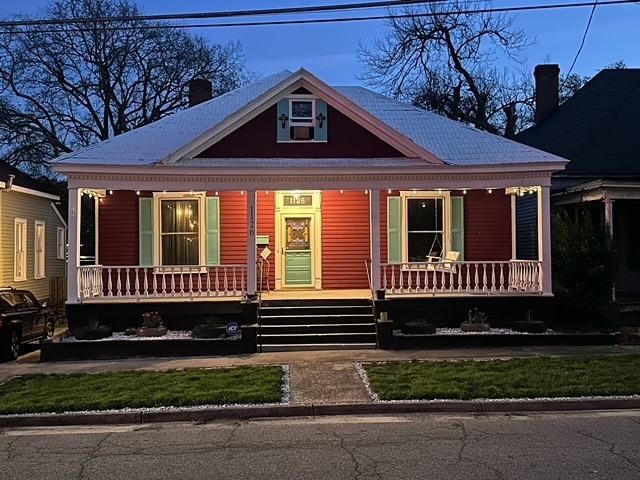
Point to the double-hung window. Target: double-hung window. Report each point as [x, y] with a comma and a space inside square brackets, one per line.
[39, 249]
[61, 243]
[423, 225]
[179, 229]
[20, 250]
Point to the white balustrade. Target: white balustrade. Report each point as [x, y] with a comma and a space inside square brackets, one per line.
[98, 281]
[447, 277]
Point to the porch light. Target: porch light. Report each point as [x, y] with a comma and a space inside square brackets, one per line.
[341, 192]
[464, 192]
[414, 191]
[137, 192]
[366, 192]
[389, 191]
[110, 192]
[489, 190]
[266, 192]
[241, 192]
[216, 194]
[191, 192]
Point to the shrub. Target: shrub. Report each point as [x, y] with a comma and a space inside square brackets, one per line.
[585, 263]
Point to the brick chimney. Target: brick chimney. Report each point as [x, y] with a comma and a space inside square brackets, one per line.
[547, 90]
[200, 90]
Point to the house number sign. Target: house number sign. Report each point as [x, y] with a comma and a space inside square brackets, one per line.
[295, 200]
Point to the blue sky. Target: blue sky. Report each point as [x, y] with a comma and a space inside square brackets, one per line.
[329, 50]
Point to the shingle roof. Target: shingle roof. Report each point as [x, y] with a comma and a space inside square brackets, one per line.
[453, 142]
[598, 128]
[24, 180]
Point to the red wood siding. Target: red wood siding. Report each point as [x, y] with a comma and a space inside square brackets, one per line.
[118, 229]
[257, 139]
[487, 226]
[233, 228]
[345, 239]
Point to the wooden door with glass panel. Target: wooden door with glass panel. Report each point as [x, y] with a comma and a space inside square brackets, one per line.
[298, 258]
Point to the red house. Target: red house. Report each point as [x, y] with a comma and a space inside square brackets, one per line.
[289, 185]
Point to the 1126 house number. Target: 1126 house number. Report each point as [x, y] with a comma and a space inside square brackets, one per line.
[293, 200]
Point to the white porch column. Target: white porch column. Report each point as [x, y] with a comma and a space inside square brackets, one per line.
[514, 229]
[374, 234]
[608, 214]
[544, 237]
[73, 252]
[251, 242]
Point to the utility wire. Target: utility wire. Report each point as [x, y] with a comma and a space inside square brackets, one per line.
[228, 14]
[331, 20]
[584, 37]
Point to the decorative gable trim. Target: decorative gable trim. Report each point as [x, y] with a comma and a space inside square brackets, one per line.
[306, 80]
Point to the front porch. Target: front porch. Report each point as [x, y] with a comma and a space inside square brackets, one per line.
[126, 284]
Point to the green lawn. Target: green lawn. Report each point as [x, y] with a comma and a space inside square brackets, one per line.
[518, 378]
[136, 389]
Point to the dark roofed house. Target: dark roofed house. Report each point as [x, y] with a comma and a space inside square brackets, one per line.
[598, 130]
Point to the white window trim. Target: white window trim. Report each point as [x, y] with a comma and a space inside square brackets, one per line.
[157, 242]
[39, 259]
[446, 222]
[61, 243]
[20, 250]
[303, 98]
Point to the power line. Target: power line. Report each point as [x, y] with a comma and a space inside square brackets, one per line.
[337, 19]
[584, 37]
[228, 14]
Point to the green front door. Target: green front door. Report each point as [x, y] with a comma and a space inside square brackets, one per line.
[297, 252]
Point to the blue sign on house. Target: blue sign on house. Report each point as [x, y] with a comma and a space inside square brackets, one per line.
[233, 329]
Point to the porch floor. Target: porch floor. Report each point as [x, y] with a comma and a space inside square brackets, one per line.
[346, 294]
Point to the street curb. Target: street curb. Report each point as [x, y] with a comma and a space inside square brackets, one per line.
[310, 410]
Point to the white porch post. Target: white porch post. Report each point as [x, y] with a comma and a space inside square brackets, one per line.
[608, 214]
[73, 252]
[251, 242]
[374, 233]
[544, 237]
[514, 229]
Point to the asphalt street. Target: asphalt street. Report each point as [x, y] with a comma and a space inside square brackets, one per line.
[586, 445]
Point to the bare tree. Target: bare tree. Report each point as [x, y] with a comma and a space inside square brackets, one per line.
[444, 58]
[67, 86]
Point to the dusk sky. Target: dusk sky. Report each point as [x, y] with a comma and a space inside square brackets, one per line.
[329, 50]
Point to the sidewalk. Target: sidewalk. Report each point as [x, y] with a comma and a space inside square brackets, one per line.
[321, 382]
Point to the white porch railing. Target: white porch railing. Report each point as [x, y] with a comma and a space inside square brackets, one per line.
[515, 276]
[186, 281]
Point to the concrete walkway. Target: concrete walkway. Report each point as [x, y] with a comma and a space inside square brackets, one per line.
[326, 382]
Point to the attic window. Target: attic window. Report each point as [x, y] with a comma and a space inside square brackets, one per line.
[302, 118]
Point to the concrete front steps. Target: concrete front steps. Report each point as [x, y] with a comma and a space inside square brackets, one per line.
[336, 324]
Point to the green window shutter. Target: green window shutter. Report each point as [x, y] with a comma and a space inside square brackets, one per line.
[394, 229]
[321, 132]
[145, 210]
[213, 231]
[283, 109]
[457, 225]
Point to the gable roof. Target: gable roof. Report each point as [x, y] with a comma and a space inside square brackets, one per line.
[23, 180]
[420, 134]
[598, 128]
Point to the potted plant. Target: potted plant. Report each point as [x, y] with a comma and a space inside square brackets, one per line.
[151, 325]
[529, 324]
[419, 326]
[211, 327]
[93, 330]
[477, 321]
